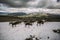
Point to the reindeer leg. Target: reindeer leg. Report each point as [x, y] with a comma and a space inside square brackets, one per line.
[37, 24]
[9, 24]
[25, 25]
[12, 26]
[15, 25]
[28, 26]
[42, 22]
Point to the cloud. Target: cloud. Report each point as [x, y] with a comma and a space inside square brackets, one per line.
[37, 3]
[29, 6]
[3, 6]
[52, 4]
[15, 3]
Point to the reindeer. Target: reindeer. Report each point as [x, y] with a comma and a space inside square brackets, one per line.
[36, 38]
[30, 38]
[32, 21]
[14, 23]
[28, 23]
[48, 37]
[24, 21]
[40, 22]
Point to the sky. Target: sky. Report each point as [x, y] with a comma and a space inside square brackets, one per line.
[18, 5]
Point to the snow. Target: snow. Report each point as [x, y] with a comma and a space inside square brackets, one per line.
[21, 32]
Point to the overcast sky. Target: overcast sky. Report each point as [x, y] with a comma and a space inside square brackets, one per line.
[16, 5]
[31, 3]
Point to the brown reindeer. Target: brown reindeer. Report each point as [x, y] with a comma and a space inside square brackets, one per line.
[36, 38]
[28, 24]
[14, 23]
[48, 37]
[39, 22]
[30, 38]
[32, 21]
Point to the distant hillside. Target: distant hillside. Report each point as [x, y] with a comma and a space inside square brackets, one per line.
[17, 14]
[3, 13]
[35, 15]
[54, 16]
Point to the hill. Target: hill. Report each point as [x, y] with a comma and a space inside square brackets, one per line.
[3, 13]
[17, 14]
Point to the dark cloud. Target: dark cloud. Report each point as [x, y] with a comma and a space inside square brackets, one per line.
[15, 3]
[31, 3]
[23, 3]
